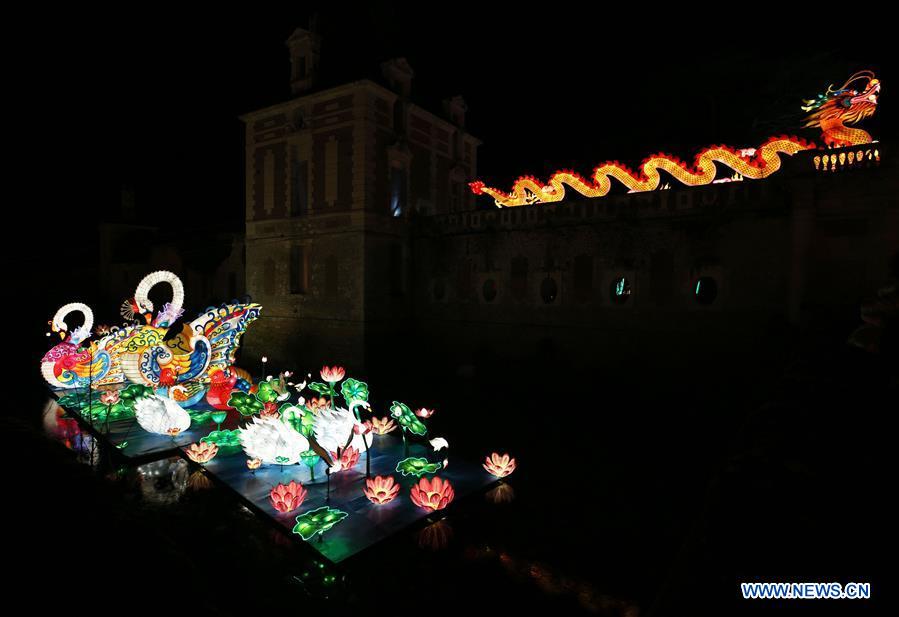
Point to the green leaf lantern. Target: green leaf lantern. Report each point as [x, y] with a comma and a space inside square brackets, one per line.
[267, 392]
[321, 388]
[417, 466]
[224, 439]
[297, 417]
[246, 404]
[407, 419]
[318, 521]
[354, 390]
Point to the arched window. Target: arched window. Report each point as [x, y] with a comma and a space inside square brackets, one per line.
[620, 290]
[706, 290]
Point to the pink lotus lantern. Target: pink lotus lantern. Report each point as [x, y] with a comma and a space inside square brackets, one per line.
[109, 397]
[425, 413]
[202, 452]
[270, 410]
[499, 466]
[381, 490]
[348, 458]
[333, 374]
[287, 497]
[382, 426]
[432, 494]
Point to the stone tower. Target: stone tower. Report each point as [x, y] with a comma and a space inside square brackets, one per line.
[333, 177]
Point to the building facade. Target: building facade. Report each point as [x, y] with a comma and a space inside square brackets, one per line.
[333, 179]
[364, 243]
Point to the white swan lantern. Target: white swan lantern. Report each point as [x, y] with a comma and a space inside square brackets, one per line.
[160, 415]
[273, 441]
[67, 365]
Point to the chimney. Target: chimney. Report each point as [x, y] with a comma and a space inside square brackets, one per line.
[305, 50]
[455, 109]
[399, 76]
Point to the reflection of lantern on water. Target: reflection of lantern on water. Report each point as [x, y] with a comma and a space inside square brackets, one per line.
[164, 481]
[435, 536]
[199, 481]
[502, 493]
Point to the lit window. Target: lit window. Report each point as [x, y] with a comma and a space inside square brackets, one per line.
[620, 290]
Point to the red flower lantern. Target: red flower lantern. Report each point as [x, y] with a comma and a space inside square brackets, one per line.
[381, 490]
[348, 458]
[432, 494]
[287, 497]
[333, 374]
[499, 466]
[270, 410]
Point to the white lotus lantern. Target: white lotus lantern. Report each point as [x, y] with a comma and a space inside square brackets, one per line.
[161, 415]
[273, 441]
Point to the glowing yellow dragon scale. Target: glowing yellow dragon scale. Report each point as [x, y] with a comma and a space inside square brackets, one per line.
[830, 112]
[748, 163]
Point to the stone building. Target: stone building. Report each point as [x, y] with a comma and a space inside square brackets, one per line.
[333, 178]
[365, 246]
[681, 277]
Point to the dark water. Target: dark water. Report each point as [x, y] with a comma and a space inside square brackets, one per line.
[635, 494]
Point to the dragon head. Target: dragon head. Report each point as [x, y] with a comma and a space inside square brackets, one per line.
[851, 103]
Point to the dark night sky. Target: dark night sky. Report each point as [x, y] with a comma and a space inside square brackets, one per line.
[153, 102]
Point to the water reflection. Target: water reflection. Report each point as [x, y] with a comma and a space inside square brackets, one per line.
[435, 536]
[502, 493]
[553, 581]
[59, 426]
[199, 481]
[163, 482]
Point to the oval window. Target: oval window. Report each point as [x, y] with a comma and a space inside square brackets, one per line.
[489, 290]
[620, 290]
[549, 289]
[706, 290]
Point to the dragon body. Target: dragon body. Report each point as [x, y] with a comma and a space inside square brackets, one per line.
[750, 163]
[831, 111]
